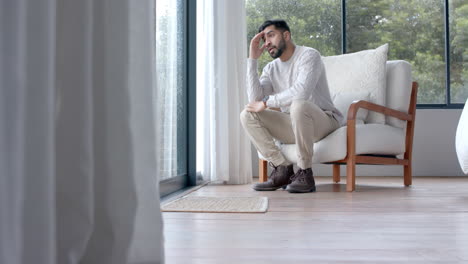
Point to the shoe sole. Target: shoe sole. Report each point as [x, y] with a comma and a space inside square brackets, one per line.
[269, 189]
[300, 191]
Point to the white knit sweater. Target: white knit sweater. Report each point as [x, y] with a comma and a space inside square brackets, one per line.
[301, 77]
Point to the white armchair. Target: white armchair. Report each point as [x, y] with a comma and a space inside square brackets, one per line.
[376, 136]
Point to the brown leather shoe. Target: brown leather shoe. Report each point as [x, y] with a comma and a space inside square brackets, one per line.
[280, 177]
[302, 182]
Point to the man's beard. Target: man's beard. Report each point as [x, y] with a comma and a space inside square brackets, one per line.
[280, 49]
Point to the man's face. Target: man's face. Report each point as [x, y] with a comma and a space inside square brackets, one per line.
[275, 43]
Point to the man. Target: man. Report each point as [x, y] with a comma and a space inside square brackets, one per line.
[295, 81]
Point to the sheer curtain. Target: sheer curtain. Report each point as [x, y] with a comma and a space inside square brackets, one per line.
[77, 159]
[224, 148]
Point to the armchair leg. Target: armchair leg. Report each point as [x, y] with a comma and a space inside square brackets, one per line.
[336, 173]
[407, 175]
[262, 170]
[350, 175]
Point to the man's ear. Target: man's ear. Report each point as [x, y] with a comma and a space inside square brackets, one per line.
[287, 35]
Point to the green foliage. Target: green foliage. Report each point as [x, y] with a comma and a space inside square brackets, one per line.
[414, 30]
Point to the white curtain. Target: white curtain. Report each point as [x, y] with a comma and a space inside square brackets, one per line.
[78, 159]
[221, 65]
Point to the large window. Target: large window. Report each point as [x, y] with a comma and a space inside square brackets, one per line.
[170, 60]
[431, 37]
[174, 72]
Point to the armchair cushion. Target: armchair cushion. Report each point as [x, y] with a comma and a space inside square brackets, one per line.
[398, 89]
[370, 139]
[363, 71]
[343, 100]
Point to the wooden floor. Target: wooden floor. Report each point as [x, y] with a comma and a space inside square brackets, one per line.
[381, 222]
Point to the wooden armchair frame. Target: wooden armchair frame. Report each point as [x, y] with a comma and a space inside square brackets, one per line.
[352, 159]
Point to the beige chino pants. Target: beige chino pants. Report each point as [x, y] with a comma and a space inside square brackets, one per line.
[304, 125]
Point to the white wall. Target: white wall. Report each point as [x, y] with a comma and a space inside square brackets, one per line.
[433, 150]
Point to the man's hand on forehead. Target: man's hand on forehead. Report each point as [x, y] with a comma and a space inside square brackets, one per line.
[256, 47]
[262, 35]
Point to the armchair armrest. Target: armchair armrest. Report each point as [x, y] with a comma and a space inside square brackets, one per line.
[352, 159]
[354, 107]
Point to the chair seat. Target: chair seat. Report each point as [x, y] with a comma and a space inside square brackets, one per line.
[370, 139]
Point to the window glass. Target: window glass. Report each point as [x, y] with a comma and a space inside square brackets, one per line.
[415, 32]
[170, 85]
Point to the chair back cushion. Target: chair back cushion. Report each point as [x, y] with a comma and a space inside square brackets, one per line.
[342, 101]
[398, 89]
[362, 71]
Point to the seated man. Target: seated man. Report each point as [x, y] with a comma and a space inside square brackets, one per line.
[295, 81]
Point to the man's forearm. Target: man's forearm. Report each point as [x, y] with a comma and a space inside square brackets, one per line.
[254, 87]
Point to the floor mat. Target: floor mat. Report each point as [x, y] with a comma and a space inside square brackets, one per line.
[217, 204]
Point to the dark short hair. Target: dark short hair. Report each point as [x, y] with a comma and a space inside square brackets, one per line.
[279, 24]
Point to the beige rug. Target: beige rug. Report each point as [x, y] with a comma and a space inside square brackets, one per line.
[217, 204]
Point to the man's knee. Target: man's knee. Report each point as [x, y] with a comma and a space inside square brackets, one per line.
[246, 116]
[300, 108]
